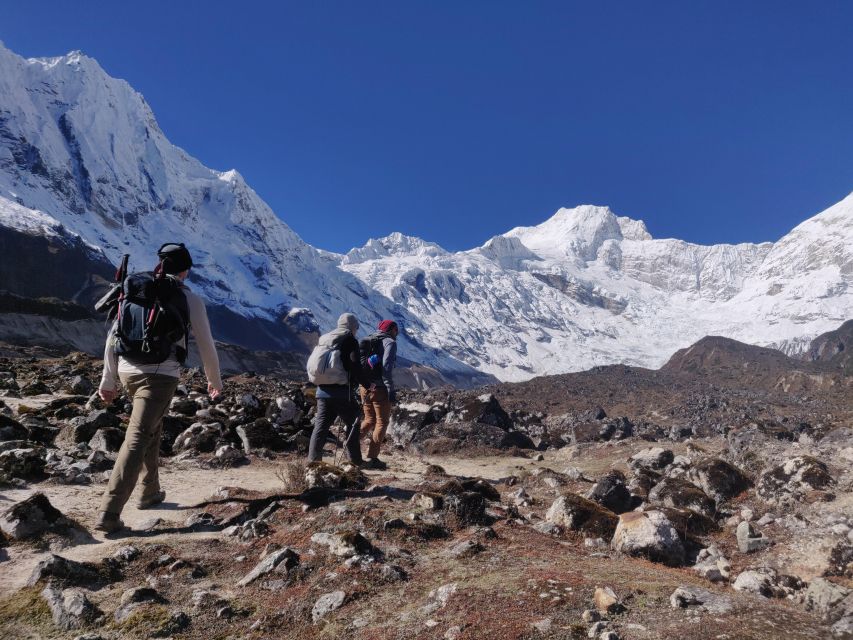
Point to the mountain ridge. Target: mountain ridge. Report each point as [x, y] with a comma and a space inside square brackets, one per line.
[81, 155]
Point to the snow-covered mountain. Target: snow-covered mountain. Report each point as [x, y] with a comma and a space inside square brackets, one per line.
[82, 157]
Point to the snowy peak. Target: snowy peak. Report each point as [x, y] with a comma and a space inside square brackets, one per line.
[573, 233]
[396, 244]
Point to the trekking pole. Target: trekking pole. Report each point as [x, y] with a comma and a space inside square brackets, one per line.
[337, 445]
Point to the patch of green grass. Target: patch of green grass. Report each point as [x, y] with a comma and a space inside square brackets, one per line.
[25, 609]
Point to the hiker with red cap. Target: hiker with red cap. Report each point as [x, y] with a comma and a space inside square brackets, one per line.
[378, 357]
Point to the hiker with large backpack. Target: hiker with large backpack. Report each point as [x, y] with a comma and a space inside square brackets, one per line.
[145, 350]
[335, 367]
[378, 358]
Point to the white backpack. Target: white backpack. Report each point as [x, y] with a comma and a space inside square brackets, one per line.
[325, 365]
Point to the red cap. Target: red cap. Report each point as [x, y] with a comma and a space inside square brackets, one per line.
[386, 325]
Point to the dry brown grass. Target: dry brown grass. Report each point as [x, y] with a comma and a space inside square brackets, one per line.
[292, 476]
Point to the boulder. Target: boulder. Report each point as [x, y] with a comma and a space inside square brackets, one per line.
[184, 406]
[327, 603]
[680, 494]
[407, 418]
[82, 428]
[579, 514]
[21, 461]
[281, 561]
[11, 429]
[719, 479]
[611, 492]
[794, 478]
[199, 438]
[648, 534]
[261, 434]
[447, 437]
[712, 565]
[81, 386]
[108, 440]
[465, 509]
[651, 459]
[70, 609]
[29, 518]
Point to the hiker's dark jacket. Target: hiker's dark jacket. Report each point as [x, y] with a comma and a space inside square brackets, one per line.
[385, 376]
[351, 360]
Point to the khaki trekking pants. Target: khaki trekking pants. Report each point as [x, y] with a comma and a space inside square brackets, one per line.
[140, 450]
[377, 413]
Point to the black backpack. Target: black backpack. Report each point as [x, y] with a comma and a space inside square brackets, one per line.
[152, 317]
[367, 347]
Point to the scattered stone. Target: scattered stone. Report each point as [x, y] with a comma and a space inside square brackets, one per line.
[606, 601]
[326, 476]
[465, 549]
[327, 603]
[281, 561]
[597, 628]
[712, 565]
[25, 462]
[748, 540]
[344, 544]
[825, 598]
[134, 598]
[689, 597]
[125, 555]
[590, 615]
[649, 534]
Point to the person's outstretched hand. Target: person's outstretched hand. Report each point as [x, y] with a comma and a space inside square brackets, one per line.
[107, 395]
[212, 391]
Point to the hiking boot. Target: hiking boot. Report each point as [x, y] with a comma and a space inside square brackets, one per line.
[147, 503]
[376, 463]
[109, 522]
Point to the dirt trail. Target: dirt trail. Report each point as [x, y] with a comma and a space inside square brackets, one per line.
[187, 485]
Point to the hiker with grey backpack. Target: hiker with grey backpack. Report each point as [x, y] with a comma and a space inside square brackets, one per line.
[335, 367]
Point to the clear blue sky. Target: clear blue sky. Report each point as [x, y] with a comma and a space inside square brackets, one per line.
[714, 121]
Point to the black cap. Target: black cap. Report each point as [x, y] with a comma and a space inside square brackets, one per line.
[174, 257]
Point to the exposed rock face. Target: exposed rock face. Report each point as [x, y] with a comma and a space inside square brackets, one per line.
[579, 514]
[649, 534]
[794, 478]
[719, 479]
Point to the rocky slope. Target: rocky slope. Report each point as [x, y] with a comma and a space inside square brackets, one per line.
[618, 503]
[85, 168]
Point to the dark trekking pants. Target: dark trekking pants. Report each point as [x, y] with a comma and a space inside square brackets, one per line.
[327, 410]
